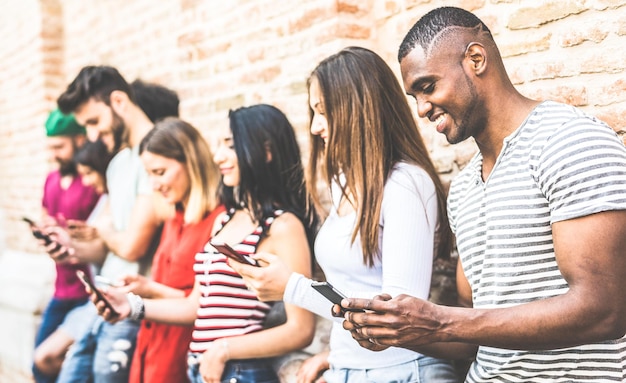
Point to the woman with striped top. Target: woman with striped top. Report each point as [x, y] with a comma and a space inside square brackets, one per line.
[263, 190]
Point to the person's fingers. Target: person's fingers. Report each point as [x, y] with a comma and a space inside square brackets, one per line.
[58, 252]
[246, 271]
[337, 311]
[354, 304]
[268, 258]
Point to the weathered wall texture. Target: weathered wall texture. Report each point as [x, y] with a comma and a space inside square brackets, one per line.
[224, 54]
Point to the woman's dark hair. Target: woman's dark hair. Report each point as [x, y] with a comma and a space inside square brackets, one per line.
[270, 166]
[95, 155]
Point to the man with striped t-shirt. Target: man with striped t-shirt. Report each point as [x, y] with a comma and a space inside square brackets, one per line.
[540, 219]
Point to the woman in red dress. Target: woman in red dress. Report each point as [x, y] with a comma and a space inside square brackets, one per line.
[180, 165]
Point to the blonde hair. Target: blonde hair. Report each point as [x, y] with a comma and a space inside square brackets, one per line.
[176, 139]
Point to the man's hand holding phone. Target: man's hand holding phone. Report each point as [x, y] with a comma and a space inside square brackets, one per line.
[49, 238]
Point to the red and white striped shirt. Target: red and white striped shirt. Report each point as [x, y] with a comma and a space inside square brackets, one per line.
[227, 308]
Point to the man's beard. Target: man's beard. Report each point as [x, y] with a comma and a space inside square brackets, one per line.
[120, 132]
[67, 168]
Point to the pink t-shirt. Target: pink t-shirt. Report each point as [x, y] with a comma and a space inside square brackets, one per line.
[75, 202]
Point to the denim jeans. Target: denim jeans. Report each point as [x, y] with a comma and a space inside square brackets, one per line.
[422, 370]
[53, 316]
[236, 371]
[103, 355]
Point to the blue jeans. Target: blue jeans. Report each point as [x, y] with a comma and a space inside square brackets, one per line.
[103, 355]
[424, 369]
[236, 371]
[51, 319]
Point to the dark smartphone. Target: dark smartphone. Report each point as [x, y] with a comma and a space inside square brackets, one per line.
[87, 282]
[228, 251]
[36, 232]
[331, 293]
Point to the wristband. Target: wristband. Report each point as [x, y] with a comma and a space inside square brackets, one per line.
[137, 308]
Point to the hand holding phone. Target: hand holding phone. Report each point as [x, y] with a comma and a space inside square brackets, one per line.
[84, 278]
[228, 251]
[37, 233]
[331, 293]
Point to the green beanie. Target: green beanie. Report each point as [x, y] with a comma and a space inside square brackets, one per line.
[59, 124]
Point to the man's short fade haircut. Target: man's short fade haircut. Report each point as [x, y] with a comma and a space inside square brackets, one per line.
[93, 82]
[430, 27]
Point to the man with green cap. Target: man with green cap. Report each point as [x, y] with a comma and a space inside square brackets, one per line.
[64, 198]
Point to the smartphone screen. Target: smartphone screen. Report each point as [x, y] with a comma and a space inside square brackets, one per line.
[87, 282]
[228, 251]
[327, 290]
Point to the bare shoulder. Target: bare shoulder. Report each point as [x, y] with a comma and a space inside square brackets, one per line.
[287, 239]
[286, 225]
[218, 222]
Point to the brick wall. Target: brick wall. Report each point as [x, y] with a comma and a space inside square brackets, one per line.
[223, 54]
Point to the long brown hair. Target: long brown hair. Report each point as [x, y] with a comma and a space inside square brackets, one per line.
[371, 128]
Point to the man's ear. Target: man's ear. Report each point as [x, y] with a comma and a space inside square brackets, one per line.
[79, 140]
[476, 58]
[119, 101]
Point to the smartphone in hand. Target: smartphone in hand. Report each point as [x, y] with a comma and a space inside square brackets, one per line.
[86, 280]
[228, 251]
[37, 233]
[331, 293]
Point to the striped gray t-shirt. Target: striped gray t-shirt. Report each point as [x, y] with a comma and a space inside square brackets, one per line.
[559, 165]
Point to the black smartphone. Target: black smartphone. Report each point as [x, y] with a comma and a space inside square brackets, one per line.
[228, 251]
[36, 232]
[84, 278]
[327, 290]
[331, 293]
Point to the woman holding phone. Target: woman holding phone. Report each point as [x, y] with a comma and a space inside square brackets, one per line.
[266, 210]
[179, 163]
[387, 216]
[171, 153]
